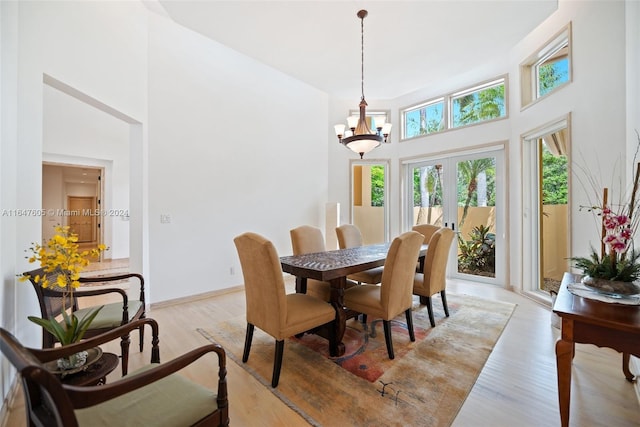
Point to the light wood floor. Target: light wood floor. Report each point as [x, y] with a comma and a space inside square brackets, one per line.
[516, 387]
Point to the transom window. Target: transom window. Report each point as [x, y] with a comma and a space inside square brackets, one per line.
[472, 105]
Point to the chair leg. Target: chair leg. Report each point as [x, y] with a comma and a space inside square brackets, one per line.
[387, 338]
[409, 316]
[125, 341]
[247, 342]
[277, 363]
[432, 320]
[364, 319]
[443, 295]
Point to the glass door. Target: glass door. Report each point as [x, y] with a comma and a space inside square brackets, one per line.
[545, 173]
[462, 192]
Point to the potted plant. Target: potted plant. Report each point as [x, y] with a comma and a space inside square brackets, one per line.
[616, 268]
[62, 261]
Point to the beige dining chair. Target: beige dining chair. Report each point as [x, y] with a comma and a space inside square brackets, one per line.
[393, 296]
[307, 239]
[269, 307]
[427, 231]
[433, 279]
[349, 236]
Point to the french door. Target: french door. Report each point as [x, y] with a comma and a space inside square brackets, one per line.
[464, 192]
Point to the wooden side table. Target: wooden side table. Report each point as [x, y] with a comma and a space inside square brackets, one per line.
[94, 374]
[588, 321]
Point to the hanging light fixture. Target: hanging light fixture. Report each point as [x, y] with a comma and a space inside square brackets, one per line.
[359, 137]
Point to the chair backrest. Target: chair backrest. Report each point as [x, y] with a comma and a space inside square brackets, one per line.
[427, 230]
[263, 281]
[435, 263]
[349, 236]
[47, 403]
[306, 240]
[399, 271]
[50, 298]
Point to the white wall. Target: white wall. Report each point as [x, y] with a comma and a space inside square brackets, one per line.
[234, 146]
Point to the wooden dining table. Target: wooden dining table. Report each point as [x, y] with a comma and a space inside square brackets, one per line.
[333, 267]
[588, 321]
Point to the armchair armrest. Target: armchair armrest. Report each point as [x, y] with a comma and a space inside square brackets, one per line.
[48, 354]
[83, 397]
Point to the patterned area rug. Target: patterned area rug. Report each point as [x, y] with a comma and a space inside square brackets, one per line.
[424, 385]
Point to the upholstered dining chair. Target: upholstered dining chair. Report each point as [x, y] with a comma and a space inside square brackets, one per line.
[427, 231]
[109, 317]
[306, 240]
[269, 307]
[349, 236]
[155, 395]
[393, 296]
[433, 279]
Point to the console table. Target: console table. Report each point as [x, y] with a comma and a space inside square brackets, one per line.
[588, 321]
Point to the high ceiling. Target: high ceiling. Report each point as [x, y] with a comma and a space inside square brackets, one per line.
[408, 44]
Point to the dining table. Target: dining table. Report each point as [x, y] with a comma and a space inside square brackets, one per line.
[333, 267]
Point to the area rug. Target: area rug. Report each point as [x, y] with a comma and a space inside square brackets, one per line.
[425, 385]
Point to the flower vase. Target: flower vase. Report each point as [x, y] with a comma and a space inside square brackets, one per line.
[611, 288]
[73, 361]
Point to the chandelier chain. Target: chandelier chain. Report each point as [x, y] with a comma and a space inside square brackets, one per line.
[362, 56]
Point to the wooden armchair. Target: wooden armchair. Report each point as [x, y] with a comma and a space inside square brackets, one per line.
[154, 395]
[111, 316]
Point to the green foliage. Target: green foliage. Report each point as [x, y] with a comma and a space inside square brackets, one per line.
[478, 255]
[377, 185]
[479, 106]
[552, 75]
[622, 269]
[554, 178]
[71, 329]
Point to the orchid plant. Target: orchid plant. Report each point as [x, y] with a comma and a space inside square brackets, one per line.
[618, 259]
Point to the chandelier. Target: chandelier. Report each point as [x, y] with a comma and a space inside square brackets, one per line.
[360, 138]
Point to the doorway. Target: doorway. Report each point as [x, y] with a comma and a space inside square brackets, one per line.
[546, 227]
[463, 191]
[369, 199]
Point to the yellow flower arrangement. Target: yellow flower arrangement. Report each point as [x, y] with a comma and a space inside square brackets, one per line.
[62, 262]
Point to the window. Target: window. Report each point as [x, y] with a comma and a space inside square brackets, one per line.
[553, 71]
[548, 69]
[486, 101]
[424, 119]
[478, 104]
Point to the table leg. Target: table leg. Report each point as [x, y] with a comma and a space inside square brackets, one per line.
[301, 285]
[625, 368]
[564, 356]
[337, 300]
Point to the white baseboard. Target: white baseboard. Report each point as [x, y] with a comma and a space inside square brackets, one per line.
[634, 365]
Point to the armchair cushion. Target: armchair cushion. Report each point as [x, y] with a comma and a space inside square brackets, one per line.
[154, 404]
[111, 314]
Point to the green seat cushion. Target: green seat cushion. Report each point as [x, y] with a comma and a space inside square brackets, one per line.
[172, 401]
[110, 316]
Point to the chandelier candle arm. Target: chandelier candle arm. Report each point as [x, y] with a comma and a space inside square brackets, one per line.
[360, 138]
